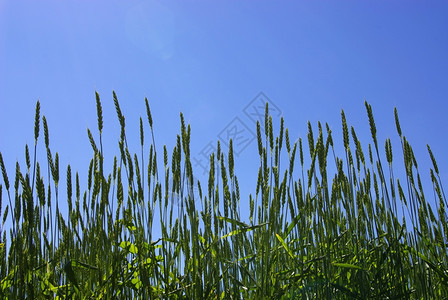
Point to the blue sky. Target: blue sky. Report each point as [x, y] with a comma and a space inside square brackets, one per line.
[211, 60]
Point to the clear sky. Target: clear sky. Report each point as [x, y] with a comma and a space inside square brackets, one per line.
[211, 60]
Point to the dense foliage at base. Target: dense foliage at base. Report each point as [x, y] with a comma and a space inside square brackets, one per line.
[359, 233]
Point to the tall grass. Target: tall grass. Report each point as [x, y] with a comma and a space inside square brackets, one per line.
[310, 234]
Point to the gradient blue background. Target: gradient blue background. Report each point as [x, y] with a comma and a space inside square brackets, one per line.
[210, 59]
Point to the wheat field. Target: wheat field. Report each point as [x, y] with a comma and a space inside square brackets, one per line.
[356, 233]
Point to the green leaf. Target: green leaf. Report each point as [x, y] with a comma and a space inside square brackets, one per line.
[70, 274]
[285, 246]
[129, 246]
[79, 264]
[239, 231]
[345, 265]
[233, 221]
